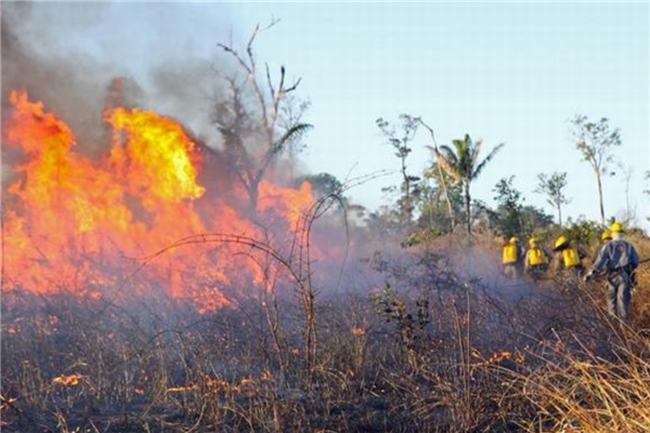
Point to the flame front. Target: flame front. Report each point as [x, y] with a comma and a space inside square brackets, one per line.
[77, 225]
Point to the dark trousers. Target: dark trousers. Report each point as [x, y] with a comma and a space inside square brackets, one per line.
[537, 272]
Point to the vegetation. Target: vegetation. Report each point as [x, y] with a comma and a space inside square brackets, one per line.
[440, 176]
[273, 121]
[441, 200]
[400, 142]
[596, 142]
[422, 333]
[463, 165]
[510, 210]
[430, 351]
[553, 187]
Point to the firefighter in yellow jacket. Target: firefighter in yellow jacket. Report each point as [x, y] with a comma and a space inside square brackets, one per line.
[568, 257]
[536, 260]
[512, 258]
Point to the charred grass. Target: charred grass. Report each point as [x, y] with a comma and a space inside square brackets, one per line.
[428, 351]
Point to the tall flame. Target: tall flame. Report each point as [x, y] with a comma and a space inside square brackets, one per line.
[73, 224]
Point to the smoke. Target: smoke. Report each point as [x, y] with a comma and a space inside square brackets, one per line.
[66, 55]
[187, 90]
[82, 58]
[66, 81]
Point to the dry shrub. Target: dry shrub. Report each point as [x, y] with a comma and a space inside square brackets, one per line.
[583, 392]
[641, 294]
[437, 352]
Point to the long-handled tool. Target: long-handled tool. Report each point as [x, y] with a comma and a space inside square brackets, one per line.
[590, 276]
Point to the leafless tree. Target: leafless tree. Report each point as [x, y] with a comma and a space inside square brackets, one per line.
[441, 176]
[255, 121]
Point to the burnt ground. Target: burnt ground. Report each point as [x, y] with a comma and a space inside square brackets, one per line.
[423, 343]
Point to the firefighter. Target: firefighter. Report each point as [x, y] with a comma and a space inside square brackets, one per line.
[567, 257]
[512, 258]
[617, 260]
[605, 237]
[536, 260]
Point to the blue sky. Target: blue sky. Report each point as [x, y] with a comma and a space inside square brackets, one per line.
[503, 72]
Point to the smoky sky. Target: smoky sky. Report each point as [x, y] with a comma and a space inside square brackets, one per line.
[70, 55]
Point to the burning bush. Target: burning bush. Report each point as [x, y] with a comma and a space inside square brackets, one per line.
[80, 225]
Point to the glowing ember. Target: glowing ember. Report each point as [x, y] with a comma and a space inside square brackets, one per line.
[77, 225]
[67, 380]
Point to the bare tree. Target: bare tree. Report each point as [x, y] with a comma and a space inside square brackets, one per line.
[259, 118]
[553, 187]
[292, 113]
[595, 141]
[258, 111]
[441, 176]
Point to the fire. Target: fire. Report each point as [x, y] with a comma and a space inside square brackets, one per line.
[72, 224]
[67, 380]
[288, 203]
[248, 384]
[152, 138]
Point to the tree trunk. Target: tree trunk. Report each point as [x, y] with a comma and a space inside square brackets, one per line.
[450, 209]
[628, 214]
[407, 210]
[407, 206]
[467, 208]
[253, 196]
[309, 332]
[600, 197]
[559, 213]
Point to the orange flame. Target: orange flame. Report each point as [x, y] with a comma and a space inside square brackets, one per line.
[76, 225]
[67, 380]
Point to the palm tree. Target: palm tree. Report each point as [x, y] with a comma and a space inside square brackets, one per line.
[463, 165]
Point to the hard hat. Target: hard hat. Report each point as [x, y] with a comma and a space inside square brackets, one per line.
[616, 228]
[513, 240]
[561, 241]
[532, 242]
[606, 235]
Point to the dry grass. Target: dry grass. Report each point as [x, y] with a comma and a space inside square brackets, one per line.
[434, 352]
[642, 291]
[582, 392]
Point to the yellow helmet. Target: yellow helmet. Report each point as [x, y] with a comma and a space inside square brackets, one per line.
[616, 228]
[562, 240]
[606, 235]
[513, 240]
[532, 242]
